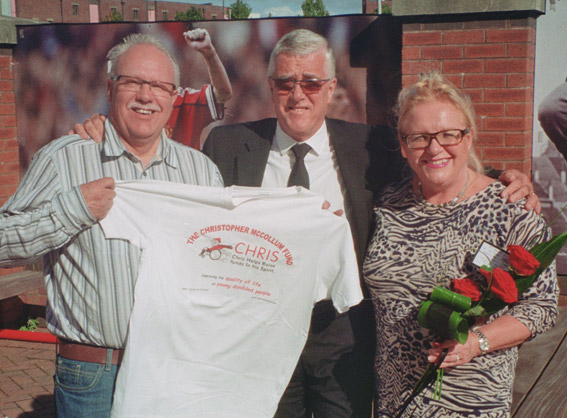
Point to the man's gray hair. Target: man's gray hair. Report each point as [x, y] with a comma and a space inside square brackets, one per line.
[301, 42]
[140, 39]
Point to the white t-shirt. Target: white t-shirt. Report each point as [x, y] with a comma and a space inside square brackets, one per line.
[224, 296]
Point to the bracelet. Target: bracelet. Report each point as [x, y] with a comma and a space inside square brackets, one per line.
[483, 343]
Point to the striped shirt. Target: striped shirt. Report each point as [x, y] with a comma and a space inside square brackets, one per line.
[89, 280]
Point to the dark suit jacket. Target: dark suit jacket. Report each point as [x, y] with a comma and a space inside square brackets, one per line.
[368, 159]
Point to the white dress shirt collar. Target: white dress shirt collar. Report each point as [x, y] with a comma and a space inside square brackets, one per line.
[318, 142]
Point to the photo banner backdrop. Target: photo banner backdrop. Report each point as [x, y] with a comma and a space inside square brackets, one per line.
[61, 70]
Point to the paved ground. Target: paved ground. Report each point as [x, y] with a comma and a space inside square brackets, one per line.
[26, 379]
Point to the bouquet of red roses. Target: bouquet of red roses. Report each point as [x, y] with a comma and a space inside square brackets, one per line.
[451, 313]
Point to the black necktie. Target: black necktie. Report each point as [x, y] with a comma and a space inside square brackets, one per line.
[299, 175]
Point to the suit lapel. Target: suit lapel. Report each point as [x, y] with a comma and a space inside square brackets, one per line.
[352, 159]
[250, 163]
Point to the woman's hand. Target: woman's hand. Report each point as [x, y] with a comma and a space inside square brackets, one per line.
[457, 354]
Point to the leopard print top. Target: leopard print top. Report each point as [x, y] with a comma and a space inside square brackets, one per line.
[417, 246]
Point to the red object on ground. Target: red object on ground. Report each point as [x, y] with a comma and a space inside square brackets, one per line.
[38, 337]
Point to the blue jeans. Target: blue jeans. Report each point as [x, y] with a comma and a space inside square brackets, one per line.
[83, 389]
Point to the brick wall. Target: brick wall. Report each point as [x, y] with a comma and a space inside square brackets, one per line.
[493, 61]
[53, 10]
[9, 155]
[77, 11]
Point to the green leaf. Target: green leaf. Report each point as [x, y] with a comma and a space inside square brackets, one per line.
[545, 253]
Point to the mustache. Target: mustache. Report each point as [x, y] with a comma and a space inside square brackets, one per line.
[150, 106]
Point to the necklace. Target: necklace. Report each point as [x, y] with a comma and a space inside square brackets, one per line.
[451, 202]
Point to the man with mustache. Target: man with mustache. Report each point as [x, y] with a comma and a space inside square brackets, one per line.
[193, 109]
[55, 211]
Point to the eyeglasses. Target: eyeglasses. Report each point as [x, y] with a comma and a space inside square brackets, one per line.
[444, 138]
[158, 88]
[309, 85]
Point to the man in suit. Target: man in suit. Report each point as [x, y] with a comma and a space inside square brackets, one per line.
[334, 375]
[348, 164]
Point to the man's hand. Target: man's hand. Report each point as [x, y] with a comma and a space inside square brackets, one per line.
[518, 186]
[326, 205]
[200, 40]
[98, 195]
[93, 128]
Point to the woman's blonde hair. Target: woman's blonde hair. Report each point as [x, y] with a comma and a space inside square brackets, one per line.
[435, 87]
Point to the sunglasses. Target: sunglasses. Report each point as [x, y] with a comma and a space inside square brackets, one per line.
[309, 85]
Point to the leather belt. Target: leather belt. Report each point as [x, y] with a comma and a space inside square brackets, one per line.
[89, 353]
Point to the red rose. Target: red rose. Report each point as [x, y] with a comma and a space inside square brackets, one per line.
[503, 284]
[523, 262]
[467, 287]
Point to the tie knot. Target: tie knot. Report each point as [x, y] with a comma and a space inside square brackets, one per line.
[300, 150]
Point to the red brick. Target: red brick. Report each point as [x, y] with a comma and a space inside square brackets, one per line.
[520, 80]
[485, 51]
[7, 133]
[8, 144]
[463, 66]
[521, 50]
[443, 26]
[518, 139]
[9, 179]
[520, 109]
[485, 80]
[441, 52]
[9, 168]
[485, 24]
[7, 109]
[8, 97]
[408, 80]
[502, 154]
[411, 53]
[8, 156]
[494, 164]
[9, 121]
[463, 37]
[523, 166]
[5, 61]
[6, 74]
[507, 124]
[44, 10]
[416, 67]
[421, 38]
[456, 79]
[508, 95]
[489, 109]
[13, 167]
[509, 65]
[476, 95]
[521, 35]
[7, 190]
[12, 144]
[490, 139]
[7, 85]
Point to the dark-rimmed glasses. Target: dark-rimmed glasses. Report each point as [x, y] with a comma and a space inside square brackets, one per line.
[444, 138]
[308, 85]
[158, 88]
